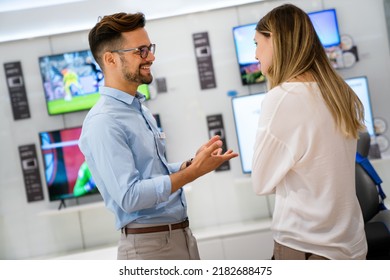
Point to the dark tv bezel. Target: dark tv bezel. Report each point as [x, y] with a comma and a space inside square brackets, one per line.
[240, 144]
[40, 58]
[67, 196]
[237, 54]
[334, 13]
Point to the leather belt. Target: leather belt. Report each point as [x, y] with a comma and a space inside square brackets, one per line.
[181, 225]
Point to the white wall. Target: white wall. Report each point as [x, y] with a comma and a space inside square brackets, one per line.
[28, 230]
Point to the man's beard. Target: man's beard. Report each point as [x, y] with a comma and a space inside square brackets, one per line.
[136, 77]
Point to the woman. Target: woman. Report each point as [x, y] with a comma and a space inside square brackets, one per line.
[306, 143]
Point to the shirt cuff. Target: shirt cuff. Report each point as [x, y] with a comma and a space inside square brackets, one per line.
[166, 189]
[175, 167]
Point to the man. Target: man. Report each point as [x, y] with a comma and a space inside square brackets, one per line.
[125, 150]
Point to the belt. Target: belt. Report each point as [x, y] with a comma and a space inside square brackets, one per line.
[181, 225]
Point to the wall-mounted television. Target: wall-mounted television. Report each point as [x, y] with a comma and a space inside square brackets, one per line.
[246, 112]
[144, 89]
[326, 26]
[66, 172]
[360, 87]
[70, 81]
[249, 67]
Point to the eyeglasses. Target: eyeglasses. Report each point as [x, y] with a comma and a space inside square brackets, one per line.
[143, 50]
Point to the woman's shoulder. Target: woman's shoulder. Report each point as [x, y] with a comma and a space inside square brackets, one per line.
[296, 88]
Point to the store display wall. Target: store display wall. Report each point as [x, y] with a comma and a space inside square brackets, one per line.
[37, 229]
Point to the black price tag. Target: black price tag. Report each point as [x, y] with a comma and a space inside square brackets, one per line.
[216, 127]
[31, 175]
[17, 90]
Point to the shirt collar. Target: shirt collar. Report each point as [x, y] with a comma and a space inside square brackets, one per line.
[121, 95]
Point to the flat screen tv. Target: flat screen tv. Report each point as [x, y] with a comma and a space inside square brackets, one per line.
[326, 26]
[70, 81]
[249, 67]
[144, 89]
[360, 87]
[66, 172]
[246, 113]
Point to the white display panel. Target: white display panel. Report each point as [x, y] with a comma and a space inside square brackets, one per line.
[326, 26]
[360, 87]
[245, 45]
[246, 110]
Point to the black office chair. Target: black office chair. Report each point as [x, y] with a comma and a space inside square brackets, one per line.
[377, 221]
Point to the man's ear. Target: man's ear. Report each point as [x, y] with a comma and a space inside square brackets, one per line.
[109, 59]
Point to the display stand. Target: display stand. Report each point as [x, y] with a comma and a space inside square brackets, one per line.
[72, 209]
[62, 204]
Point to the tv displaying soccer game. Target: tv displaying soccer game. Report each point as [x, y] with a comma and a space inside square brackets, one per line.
[144, 89]
[249, 66]
[70, 81]
[66, 173]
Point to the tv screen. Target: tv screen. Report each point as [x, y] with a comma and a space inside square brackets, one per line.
[246, 112]
[360, 87]
[66, 172]
[70, 81]
[144, 89]
[243, 36]
[326, 26]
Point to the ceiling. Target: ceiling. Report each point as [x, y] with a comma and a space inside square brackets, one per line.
[14, 5]
[23, 19]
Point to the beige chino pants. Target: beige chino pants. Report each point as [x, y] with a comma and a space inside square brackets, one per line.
[177, 244]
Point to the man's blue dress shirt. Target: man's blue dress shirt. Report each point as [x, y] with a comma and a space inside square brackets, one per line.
[125, 152]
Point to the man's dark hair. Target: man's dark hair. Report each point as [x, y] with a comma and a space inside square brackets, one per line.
[106, 34]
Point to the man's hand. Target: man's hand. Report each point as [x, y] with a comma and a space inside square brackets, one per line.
[208, 158]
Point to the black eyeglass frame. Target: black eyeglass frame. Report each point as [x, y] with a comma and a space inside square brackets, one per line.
[143, 50]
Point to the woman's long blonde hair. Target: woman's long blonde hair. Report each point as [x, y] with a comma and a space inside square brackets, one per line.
[297, 50]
